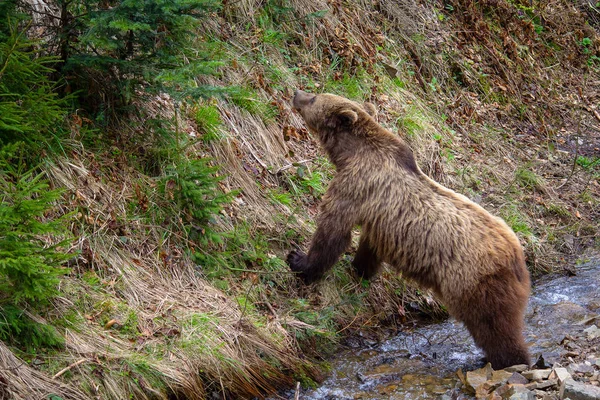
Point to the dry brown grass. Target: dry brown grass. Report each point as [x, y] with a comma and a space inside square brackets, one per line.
[224, 345]
[19, 381]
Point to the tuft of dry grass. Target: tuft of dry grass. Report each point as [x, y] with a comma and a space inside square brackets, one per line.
[20, 381]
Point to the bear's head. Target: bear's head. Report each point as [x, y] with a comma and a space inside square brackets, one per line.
[346, 128]
[328, 112]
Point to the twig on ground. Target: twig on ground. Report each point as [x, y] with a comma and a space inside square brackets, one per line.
[294, 164]
[297, 394]
[62, 371]
[575, 156]
[269, 306]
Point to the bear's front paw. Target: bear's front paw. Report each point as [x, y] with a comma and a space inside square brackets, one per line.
[297, 261]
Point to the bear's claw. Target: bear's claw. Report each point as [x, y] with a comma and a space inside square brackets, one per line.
[296, 260]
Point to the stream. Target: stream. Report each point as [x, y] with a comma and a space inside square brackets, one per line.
[422, 363]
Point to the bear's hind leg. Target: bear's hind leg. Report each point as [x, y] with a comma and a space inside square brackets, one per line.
[366, 262]
[494, 317]
[501, 340]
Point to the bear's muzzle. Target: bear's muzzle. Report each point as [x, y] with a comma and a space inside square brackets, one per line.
[302, 99]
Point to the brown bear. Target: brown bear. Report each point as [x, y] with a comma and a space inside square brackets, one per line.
[442, 240]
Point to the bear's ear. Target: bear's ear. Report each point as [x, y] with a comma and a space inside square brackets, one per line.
[344, 117]
[370, 109]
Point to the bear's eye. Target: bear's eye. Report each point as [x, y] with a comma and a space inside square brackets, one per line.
[312, 101]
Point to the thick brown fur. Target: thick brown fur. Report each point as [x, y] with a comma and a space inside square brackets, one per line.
[442, 240]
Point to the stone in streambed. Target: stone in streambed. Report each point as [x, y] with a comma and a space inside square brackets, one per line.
[574, 390]
[498, 378]
[518, 392]
[592, 332]
[542, 385]
[562, 374]
[477, 378]
[537, 374]
[517, 378]
[517, 368]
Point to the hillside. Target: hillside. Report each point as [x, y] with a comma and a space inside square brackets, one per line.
[176, 284]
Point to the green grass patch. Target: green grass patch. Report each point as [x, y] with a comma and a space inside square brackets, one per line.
[587, 163]
[353, 86]
[557, 210]
[249, 100]
[528, 179]
[208, 120]
[279, 196]
[516, 220]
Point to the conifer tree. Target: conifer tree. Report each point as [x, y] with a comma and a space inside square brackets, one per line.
[113, 50]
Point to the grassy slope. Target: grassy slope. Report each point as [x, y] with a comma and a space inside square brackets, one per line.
[497, 100]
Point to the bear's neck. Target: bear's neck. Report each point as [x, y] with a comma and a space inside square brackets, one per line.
[367, 139]
[341, 147]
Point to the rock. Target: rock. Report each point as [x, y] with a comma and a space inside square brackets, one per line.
[498, 378]
[361, 377]
[483, 391]
[549, 396]
[578, 391]
[517, 368]
[537, 374]
[561, 374]
[542, 385]
[461, 376]
[587, 320]
[592, 332]
[388, 389]
[522, 396]
[574, 347]
[502, 390]
[581, 368]
[517, 378]
[539, 394]
[477, 378]
[518, 392]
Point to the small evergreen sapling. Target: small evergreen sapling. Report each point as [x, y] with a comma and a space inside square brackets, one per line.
[32, 246]
[30, 109]
[192, 185]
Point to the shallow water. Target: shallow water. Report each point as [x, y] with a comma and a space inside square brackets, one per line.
[422, 363]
